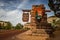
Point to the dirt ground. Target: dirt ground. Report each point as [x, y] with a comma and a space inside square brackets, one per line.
[26, 36]
[9, 34]
[23, 36]
[56, 35]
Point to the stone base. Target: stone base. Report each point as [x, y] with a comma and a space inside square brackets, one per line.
[25, 36]
[40, 32]
[42, 35]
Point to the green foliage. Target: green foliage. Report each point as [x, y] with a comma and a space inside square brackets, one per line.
[19, 26]
[51, 4]
[56, 24]
[26, 28]
[37, 16]
[13, 27]
[53, 24]
[1, 27]
[8, 26]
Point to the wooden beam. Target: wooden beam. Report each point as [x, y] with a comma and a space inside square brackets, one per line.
[47, 10]
[26, 10]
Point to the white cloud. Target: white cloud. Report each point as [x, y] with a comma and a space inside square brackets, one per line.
[2, 12]
[12, 12]
[1, 4]
[23, 4]
[14, 16]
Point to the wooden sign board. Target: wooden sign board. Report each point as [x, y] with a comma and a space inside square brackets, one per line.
[25, 17]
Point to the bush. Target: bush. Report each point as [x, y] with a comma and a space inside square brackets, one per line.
[7, 27]
[19, 26]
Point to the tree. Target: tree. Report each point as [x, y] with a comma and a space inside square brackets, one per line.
[54, 5]
[19, 26]
[51, 4]
[8, 26]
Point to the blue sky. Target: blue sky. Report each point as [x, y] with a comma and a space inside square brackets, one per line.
[11, 10]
